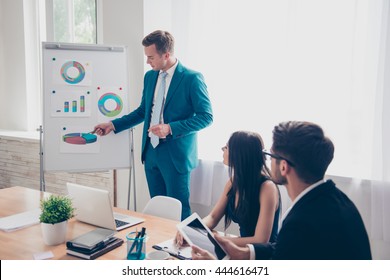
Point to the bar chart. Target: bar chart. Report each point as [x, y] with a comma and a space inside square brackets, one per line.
[70, 104]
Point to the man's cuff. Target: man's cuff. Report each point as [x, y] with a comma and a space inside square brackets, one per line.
[252, 254]
[112, 126]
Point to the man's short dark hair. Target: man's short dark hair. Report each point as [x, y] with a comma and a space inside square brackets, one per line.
[163, 40]
[306, 146]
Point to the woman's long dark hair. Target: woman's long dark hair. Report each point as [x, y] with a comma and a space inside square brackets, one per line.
[247, 169]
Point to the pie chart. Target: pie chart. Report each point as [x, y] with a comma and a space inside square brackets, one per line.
[105, 100]
[72, 72]
[79, 138]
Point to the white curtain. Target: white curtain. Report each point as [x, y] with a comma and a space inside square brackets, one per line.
[372, 199]
[381, 154]
[270, 61]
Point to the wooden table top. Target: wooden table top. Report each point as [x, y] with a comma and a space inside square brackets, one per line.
[24, 243]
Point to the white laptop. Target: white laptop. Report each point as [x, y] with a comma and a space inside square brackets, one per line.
[93, 206]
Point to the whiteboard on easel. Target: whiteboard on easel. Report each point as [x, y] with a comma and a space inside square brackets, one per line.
[84, 85]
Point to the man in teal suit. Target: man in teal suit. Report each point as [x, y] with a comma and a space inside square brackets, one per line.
[186, 109]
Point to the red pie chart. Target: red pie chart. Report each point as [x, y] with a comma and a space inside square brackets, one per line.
[79, 138]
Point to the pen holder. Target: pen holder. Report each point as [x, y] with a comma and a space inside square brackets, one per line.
[136, 246]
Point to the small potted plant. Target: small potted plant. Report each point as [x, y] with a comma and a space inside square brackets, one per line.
[56, 211]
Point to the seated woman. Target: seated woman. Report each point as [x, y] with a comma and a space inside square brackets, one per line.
[250, 198]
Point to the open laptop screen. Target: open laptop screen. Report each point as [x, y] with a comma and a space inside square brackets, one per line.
[93, 206]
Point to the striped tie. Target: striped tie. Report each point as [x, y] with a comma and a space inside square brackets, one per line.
[157, 109]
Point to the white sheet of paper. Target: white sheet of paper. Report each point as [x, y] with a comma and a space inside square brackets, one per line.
[43, 255]
[170, 247]
[20, 220]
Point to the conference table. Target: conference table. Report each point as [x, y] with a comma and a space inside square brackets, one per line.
[23, 243]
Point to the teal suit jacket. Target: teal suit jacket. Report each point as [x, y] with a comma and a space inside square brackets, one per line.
[187, 110]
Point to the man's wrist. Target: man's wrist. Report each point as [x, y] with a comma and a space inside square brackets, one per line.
[112, 126]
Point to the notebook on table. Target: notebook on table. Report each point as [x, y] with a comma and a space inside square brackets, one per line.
[95, 253]
[93, 206]
[98, 237]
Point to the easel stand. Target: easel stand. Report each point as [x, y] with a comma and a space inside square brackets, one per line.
[42, 185]
[132, 173]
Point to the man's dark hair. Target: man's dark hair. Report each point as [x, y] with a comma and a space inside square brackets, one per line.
[306, 146]
[163, 40]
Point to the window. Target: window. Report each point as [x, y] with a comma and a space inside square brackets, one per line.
[271, 61]
[71, 21]
[74, 21]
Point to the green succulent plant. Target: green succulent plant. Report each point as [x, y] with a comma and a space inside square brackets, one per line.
[56, 209]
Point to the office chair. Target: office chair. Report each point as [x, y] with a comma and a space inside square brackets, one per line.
[164, 207]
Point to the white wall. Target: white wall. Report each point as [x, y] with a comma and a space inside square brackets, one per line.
[2, 24]
[12, 73]
[123, 24]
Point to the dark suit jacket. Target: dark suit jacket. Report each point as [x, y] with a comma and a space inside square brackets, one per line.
[187, 110]
[323, 225]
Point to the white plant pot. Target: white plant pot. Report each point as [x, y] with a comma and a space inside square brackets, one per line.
[54, 234]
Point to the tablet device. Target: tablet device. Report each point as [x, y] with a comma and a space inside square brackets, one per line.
[195, 232]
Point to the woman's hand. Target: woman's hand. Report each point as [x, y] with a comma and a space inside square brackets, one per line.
[179, 240]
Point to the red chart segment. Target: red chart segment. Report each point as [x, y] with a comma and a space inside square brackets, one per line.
[79, 138]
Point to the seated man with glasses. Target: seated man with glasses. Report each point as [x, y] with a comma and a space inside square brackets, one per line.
[322, 222]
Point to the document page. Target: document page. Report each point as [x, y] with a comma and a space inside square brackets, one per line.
[20, 220]
[170, 247]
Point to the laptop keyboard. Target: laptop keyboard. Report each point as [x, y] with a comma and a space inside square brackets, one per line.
[120, 223]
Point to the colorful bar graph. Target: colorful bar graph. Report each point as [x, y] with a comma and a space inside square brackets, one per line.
[74, 106]
[66, 106]
[77, 105]
[82, 103]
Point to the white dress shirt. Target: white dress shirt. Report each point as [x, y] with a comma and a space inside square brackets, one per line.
[168, 80]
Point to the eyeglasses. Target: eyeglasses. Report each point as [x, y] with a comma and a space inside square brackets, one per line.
[266, 153]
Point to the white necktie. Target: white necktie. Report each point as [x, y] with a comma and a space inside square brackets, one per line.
[157, 109]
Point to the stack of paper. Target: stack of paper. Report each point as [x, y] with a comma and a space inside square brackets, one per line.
[21, 220]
